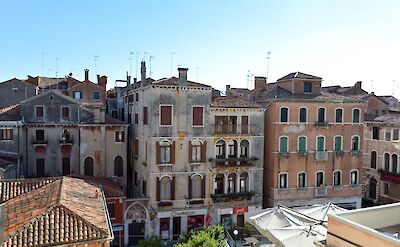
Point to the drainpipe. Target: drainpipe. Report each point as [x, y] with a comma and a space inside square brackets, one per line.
[79, 139]
[26, 151]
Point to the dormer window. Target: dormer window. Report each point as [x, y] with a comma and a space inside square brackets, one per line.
[307, 87]
[77, 95]
[39, 111]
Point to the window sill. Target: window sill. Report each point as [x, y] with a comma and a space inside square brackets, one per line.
[196, 163]
[196, 201]
[302, 189]
[337, 187]
[164, 203]
[165, 164]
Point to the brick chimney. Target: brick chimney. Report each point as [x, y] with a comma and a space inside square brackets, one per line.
[86, 75]
[142, 73]
[358, 85]
[102, 81]
[260, 82]
[182, 80]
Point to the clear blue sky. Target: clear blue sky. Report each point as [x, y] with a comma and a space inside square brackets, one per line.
[340, 41]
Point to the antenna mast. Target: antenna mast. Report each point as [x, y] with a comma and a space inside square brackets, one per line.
[172, 54]
[268, 57]
[95, 63]
[197, 73]
[130, 63]
[43, 53]
[151, 59]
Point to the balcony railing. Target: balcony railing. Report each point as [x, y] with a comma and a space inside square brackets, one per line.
[338, 152]
[321, 155]
[356, 152]
[39, 142]
[66, 141]
[233, 161]
[321, 124]
[390, 176]
[233, 129]
[302, 153]
[239, 196]
[321, 191]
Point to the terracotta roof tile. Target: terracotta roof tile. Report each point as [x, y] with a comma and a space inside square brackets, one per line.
[111, 188]
[299, 75]
[11, 113]
[173, 81]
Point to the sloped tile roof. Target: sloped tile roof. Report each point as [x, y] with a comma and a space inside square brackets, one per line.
[234, 101]
[111, 189]
[108, 120]
[11, 113]
[52, 211]
[299, 75]
[173, 81]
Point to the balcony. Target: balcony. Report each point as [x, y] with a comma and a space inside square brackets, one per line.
[43, 142]
[64, 141]
[233, 161]
[338, 153]
[321, 155]
[302, 153]
[321, 191]
[240, 196]
[297, 193]
[356, 152]
[226, 129]
[390, 176]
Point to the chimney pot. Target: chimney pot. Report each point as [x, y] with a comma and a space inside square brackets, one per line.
[228, 90]
[98, 79]
[182, 76]
[97, 194]
[86, 74]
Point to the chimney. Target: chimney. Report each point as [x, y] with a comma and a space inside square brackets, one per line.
[98, 79]
[260, 82]
[102, 81]
[86, 74]
[228, 90]
[358, 85]
[97, 194]
[182, 76]
[143, 73]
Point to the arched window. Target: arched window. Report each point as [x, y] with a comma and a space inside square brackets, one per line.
[220, 184]
[354, 177]
[303, 115]
[220, 149]
[356, 115]
[339, 115]
[283, 144]
[302, 144]
[386, 162]
[197, 182]
[244, 149]
[355, 143]
[165, 188]
[319, 179]
[244, 182]
[373, 159]
[337, 178]
[196, 151]
[283, 180]
[302, 180]
[321, 115]
[231, 183]
[284, 116]
[394, 163]
[165, 152]
[118, 166]
[320, 143]
[232, 149]
[372, 188]
[338, 143]
[88, 163]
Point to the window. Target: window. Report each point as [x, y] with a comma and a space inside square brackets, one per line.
[166, 115]
[283, 181]
[394, 163]
[96, 95]
[197, 184]
[137, 97]
[375, 133]
[337, 178]
[356, 115]
[245, 125]
[111, 210]
[395, 134]
[165, 152]
[385, 188]
[232, 183]
[196, 151]
[197, 116]
[302, 144]
[319, 180]
[355, 143]
[244, 149]
[66, 166]
[144, 188]
[373, 159]
[219, 183]
[77, 95]
[284, 118]
[232, 149]
[119, 136]
[6, 134]
[388, 135]
[39, 111]
[354, 177]
[136, 118]
[164, 228]
[321, 115]
[88, 163]
[339, 115]
[283, 144]
[145, 116]
[165, 188]
[386, 162]
[307, 87]
[338, 143]
[118, 166]
[244, 182]
[301, 180]
[39, 135]
[320, 143]
[303, 115]
[40, 169]
[136, 147]
[64, 112]
[220, 149]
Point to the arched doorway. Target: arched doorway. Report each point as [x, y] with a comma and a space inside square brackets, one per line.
[136, 217]
[372, 188]
[88, 166]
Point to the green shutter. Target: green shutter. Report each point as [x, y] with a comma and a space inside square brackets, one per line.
[302, 144]
[320, 143]
[283, 145]
[338, 143]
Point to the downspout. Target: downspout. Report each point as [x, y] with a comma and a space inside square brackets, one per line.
[26, 151]
[79, 139]
[292, 86]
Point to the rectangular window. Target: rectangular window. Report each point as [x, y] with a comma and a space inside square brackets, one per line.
[395, 134]
[66, 166]
[96, 95]
[302, 180]
[307, 87]
[40, 171]
[136, 118]
[137, 97]
[77, 95]
[388, 135]
[321, 115]
[302, 144]
[303, 115]
[39, 111]
[339, 116]
[283, 147]
[197, 112]
[165, 152]
[39, 135]
[176, 228]
[164, 228]
[375, 133]
[6, 134]
[136, 147]
[145, 117]
[284, 115]
[111, 210]
[166, 115]
[245, 125]
[386, 188]
[196, 153]
[144, 188]
[64, 112]
[283, 181]
[119, 136]
[338, 143]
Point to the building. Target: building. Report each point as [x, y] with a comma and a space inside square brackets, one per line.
[374, 226]
[58, 211]
[313, 142]
[13, 91]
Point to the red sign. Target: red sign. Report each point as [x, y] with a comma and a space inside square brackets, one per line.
[240, 210]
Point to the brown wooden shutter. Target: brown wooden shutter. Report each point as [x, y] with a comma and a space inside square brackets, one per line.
[173, 188]
[197, 118]
[203, 187]
[158, 188]
[190, 187]
[204, 152]
[157, 152]
[190, 152]
[172, 152]
[166, 115]
[145, 115]
[245, 125]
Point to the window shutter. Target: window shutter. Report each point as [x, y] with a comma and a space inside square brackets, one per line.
[173, 188]
[158, 152]
[203, 187]
[145, 115]
[190, 187]
[190, 152]
[203, 152]
[172, 154]
[158, 188]
[245, 125]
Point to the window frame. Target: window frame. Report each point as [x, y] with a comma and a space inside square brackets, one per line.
[316, 179]
[357, 178]
[287, 115]
[202, 116]
[7, 133]
[325, 120]
[160, 115]
[340, 178]
[298, 144]
[62, 112]
[306, 120]
[376, 159]
[305, 179]
[36, 111]
[342, 118]
[359, 116]
[164, 196]
[359, 143]
[341, 143]
[279, 180]
[304, 87]
[119, 140]
[287, 144]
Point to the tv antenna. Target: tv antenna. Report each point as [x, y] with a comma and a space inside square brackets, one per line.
[95, 63]
[249, 77]
[130, 63]
[172, 54]
[136, 65]
[268, 57]
[57, 59]
[393, 88]
[197, 73]
[43, 53]
[144, 55]
[151, 59]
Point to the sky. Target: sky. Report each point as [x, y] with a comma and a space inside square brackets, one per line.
[221, 42]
